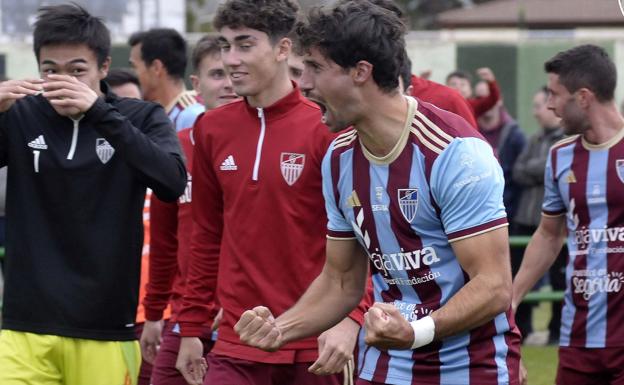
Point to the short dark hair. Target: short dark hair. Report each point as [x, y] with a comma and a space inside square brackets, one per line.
[353, 31]
[71, 24]
[459, 74]
[208, 45]
[391, 6]
[276, 18]
[406, 73]
[120, 76]
[585, 66]
[164, 44]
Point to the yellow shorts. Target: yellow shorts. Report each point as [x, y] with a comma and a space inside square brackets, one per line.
[37, 359]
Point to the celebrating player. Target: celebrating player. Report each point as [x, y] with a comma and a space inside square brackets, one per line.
[417, 191]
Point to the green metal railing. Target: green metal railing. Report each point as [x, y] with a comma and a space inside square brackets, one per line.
[535, 296]
[514, 241]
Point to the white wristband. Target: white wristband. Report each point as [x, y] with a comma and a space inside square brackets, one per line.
[424, 331]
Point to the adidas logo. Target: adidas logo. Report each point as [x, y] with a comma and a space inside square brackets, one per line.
[229, 164]
[353, 200]
[38, 143]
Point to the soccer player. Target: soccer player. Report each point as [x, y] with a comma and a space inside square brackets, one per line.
[171, 225]
[295, 67]
[159, 57]
[584, 195]
[79, 159]
[209, 79]
[124, 83]
[258, 211]
[417, 193]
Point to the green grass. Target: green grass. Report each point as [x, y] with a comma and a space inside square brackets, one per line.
[541, 364]
[540, 361]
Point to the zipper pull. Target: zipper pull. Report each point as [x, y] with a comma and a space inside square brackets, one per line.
[261, 113]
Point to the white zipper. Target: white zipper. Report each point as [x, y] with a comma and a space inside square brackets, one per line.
[259, 147]
[72, 148]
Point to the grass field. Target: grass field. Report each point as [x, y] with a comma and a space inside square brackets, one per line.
[541, 364]
[540, 361]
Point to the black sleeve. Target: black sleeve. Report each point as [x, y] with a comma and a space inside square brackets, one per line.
[154, 150]
[4, 139]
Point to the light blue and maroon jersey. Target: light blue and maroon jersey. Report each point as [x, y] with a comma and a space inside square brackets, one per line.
[585, 182]
[441, 183]
[184, 110]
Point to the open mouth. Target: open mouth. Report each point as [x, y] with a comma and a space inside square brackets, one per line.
[319, 103]
[324, 111]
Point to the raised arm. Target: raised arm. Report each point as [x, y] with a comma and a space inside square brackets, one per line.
[152, 150]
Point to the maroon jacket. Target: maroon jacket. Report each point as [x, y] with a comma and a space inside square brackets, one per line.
[259, 219]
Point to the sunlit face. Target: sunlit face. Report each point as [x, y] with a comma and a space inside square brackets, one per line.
[78, 61]
[250, 59]
[460, 84]
[147, 79]
[545, 118]
[574, 120]
[127, 90]
[328, 85]
[482, 90]
[295, 67]
[212, 83]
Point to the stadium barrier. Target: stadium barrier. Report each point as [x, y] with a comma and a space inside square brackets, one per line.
[535, 296]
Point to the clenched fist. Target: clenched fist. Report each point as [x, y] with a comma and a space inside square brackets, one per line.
[386, 328]
[257, 328]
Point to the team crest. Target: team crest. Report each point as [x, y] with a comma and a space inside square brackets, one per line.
[619, 168]
[408, 202]
[104, 150]
[291, 165]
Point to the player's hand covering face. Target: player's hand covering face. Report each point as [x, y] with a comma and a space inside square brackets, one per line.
[72, 76]
[68, 95]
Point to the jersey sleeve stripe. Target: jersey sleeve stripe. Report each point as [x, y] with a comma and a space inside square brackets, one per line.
[425, 142]
[557, 213]
[476, 230]
[433, 126]
[429, 134]
[333, 234]
[344, 143]
[565, 141]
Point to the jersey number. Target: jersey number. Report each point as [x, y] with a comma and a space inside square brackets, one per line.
[36, 159]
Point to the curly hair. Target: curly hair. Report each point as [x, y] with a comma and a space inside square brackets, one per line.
[276, 18]
[357, 30]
